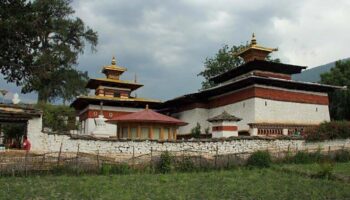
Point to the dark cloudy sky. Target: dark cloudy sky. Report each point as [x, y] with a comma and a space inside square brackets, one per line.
[165, 42]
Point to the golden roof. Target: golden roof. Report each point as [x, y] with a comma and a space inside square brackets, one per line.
[96, 82]
[121, 99]
[254, 46]
[113, 67]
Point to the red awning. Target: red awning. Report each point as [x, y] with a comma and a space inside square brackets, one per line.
[148, 116]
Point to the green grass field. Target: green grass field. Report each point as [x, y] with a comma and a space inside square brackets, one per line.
[338, 168]
[233, 184]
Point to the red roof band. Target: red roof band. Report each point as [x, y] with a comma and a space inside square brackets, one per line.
[148, 116]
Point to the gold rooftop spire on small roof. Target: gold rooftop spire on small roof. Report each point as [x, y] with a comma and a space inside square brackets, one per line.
[114, 61]
[113, 68]
[253, 41]
[254, 52]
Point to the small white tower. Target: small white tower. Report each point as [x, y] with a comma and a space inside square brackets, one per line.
[224, 125]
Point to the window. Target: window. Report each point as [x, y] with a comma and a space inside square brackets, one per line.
[144, 132]
[116, 94]
[156, 133]
[125, 132]
[166, 133]
[265, 103]
[133, 131]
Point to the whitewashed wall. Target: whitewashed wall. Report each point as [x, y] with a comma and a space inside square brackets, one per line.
[289, 112]
[193, 116]
[90, 125]
[254, 110]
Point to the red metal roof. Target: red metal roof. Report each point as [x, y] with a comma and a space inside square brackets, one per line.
[148, 116]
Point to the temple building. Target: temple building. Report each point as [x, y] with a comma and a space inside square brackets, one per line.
[147, 125]
[261, 93]
[113, 97]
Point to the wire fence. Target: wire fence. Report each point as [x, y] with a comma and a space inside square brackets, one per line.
[17, 162]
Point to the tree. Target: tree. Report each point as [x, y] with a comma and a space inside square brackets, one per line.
[53, 39]
[340, 99]
[62, 83]
[224, 60]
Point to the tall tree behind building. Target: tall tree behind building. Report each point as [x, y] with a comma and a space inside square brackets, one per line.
[224, 60]
[340, 99]
[40, 43]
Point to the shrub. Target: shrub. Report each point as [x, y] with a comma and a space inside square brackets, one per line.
[260, 159]
[328, 131]
[164, 164]
[58, 117]
[326, 170]
[342, 156]
[303, 157]
[107, 169]
[123, 168]
[196, 131]
[186, 165]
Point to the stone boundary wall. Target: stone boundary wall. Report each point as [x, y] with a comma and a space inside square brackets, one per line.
[44, 142]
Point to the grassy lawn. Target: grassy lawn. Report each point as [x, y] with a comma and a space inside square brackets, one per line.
[239, 183]
[339, 168]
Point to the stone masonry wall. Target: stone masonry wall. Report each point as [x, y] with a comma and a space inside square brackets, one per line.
[43, 142]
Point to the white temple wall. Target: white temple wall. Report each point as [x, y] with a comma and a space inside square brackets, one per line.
[192, 116]
[271, 111]
[243, 109]
[254, 110]
[90, 125]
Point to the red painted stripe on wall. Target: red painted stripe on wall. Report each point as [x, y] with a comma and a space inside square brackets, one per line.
[258, 92]
[224, 128]
[107, 114]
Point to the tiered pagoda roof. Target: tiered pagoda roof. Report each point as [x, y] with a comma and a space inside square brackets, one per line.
[112, 91]
[255, 71]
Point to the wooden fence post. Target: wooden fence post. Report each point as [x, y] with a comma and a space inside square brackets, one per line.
[77, 160]
[43, 161]
[59, 155]
[98, 160]
[151, 162]
[25, 163]
[200, 159]
[133, 157]
[216, 155]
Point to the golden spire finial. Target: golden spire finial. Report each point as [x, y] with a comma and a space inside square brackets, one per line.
[114, 61]
[253, 41]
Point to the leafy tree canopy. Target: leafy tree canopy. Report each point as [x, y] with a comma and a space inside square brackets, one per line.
[224, 60]
[339, 100]
[40, 41]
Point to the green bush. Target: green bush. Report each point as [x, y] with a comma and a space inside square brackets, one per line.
[58, 117]
[186, 165]
[326, 170]
[342, 156]
[303, 157]
[107, 169]
[164, 164]
[123, 168]
[196, 131]
[328, 131]
[260, 159]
